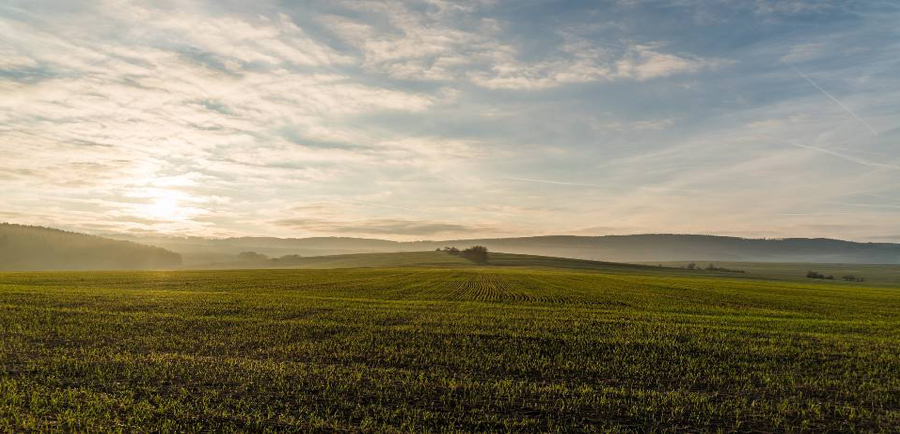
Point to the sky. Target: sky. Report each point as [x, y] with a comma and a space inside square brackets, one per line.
[439, 119]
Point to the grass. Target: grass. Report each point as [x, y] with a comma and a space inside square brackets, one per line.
[468, 349]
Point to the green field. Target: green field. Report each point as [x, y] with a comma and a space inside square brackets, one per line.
[875, 274]
[528, 346]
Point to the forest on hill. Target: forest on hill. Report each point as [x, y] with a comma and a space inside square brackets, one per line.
[39, 248]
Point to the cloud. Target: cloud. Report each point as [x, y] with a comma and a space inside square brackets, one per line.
[805, 52]
[552, 182]
[440, 46]
[381, 227]
[582, 61]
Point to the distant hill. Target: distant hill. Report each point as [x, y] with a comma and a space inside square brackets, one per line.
[38, 248]
[665, 247]
[614, 248]
[200, 251]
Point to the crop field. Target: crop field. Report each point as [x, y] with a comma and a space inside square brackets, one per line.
[874, 274]
[469, 349]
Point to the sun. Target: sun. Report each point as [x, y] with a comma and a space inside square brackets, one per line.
[165, 207]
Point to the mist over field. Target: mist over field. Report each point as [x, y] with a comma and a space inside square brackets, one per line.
[620, 248]
[35, 248]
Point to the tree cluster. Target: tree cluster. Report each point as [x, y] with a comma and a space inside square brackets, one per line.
[852, 278]
[713, 267]
[252, 257]
[710, 267]
[476, 254]
[816, 275]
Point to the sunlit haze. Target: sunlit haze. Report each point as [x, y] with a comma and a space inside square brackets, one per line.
[437, 119]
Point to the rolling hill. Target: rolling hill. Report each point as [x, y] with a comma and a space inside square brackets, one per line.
[39, 248]
[432, 259]
[875, 274]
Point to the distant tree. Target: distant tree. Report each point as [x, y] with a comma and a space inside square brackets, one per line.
[691, 266]
[852, 278]
[451, 250]
[713, 267]
[476, 254]
[816, 275]
[252, 256]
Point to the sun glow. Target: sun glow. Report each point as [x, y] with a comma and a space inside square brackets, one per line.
[165, 208]
[167, 205]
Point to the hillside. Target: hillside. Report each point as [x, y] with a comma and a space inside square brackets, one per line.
[202, 251]
[354, 260]
[614, 248]
[39, 248]
[431, 259]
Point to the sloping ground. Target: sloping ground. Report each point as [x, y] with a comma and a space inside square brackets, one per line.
[37, 248]
[379, 260]
[478, 349]
[443, 260]
[877, 275]
[535, 261]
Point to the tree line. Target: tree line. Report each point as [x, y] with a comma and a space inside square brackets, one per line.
[848, 278]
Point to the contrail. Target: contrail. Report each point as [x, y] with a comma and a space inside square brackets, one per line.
[847, 157]
[847, 109]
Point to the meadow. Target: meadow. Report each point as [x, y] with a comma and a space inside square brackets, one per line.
[445, 349]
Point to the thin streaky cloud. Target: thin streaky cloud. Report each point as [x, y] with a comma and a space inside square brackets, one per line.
[847, 109]
[865, 205]
[848, 157]
[547, 181]
[378, 205]
[806, 214]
